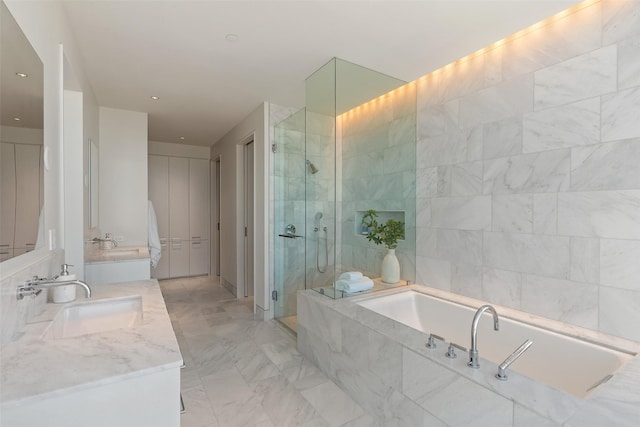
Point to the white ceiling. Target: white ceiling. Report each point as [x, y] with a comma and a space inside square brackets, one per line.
[177, 50]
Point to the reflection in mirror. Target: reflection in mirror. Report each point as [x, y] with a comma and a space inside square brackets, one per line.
[21, 140]
[93, 184]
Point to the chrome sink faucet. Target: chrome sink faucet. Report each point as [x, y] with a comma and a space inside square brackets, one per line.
[473, 352]
[34, 286]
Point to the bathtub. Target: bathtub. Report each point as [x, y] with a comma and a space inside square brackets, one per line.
[574, 365]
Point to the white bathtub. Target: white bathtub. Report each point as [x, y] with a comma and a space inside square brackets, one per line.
[567, 363]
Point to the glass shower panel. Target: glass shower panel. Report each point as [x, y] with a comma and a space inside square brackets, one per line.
[289, 216]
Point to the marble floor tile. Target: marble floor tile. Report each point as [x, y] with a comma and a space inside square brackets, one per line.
[246, 372]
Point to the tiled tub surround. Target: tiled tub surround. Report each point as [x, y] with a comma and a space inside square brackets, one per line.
[385, 367]
[134, 369]
[528, 185]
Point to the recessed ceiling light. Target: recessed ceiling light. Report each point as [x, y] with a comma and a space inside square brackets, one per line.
[232, 37]
[155, 98]
[17, 119]
[22, 74]
[182, 139]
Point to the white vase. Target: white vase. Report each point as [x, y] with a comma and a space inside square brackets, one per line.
[390, 267]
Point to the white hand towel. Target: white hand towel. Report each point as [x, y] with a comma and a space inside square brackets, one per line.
[351, 275]
[351, 286]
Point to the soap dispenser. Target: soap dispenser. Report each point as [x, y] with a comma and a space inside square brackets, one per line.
[65, 293]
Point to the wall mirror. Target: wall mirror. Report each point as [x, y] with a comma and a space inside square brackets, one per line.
[21, 140]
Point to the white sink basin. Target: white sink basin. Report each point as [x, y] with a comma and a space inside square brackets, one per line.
[122, 252]
[96, 316]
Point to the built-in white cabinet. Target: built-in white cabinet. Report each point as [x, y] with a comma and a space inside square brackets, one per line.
[20, 180]
[179, 190]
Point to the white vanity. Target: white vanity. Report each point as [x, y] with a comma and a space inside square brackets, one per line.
[112, 360]
[119, 264]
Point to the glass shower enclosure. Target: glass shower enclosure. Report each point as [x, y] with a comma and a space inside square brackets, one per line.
[351, 149]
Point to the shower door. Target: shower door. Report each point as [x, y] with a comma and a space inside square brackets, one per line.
[289, 216]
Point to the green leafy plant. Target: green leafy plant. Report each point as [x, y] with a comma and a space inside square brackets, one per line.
[386, 234]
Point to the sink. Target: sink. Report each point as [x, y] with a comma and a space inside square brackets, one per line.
[96, 316]
[122, 252]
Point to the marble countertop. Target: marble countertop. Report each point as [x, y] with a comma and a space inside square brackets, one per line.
[33, 368]
[93, 253]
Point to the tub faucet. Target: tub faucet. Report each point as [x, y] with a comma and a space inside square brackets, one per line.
[473, 352]
[34, 286]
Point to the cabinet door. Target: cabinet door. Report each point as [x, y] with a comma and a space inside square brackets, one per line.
[27, 195]
[159, 196]
[179, 199]
[199, 257]
[179, 258]
[199, 199]
[8, 197]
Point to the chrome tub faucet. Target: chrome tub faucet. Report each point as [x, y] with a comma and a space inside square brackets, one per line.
[473, 352]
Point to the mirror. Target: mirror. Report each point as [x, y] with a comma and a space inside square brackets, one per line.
[21, 140]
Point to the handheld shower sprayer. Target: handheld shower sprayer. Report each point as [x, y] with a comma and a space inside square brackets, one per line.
[312, 167]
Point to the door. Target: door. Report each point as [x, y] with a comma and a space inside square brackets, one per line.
[199, 217]
[179, 216]
[215, 217]
[248, 219]
[289, 201]
[159, 196]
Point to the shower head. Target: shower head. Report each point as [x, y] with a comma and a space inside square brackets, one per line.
[312, 167]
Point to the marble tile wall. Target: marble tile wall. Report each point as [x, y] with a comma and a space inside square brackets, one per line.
[377, 171]
[15, 314]
[528, 185]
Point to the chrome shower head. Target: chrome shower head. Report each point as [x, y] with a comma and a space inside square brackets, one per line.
[312, 167]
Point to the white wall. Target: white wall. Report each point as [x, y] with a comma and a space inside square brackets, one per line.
[229, 150]
[123, 175]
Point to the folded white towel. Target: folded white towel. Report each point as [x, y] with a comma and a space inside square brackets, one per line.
[351, 275]
[357, 285]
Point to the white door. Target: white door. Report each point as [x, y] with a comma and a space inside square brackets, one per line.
[179, 216]
[248, 219]
[199, 217]
[215, 218]
[159, 196]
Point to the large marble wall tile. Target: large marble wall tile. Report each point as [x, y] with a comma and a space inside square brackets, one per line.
[607, 166]
[502, 138]
[585, 260]
[507, 99]
[620, 112]
[629, 63]
[444, 149]
[466, 279]
[433, 272]
[619, 263]
[459, 81]
[570, 36]
[426, 182]
[463, 246]
[426, 241]
[466, 179]
[444, 181]
[608, 214]
[545, 255]
[437, 120]
[619, 312]
[582, 77]
[562, 127]
[545, 213]
[502, 287]
[474, 143]
[512, 213]
[437, 390]
[399, 158]
[467, 213]
[493, 66]
[571, 302]
[620, 20]
[543, 172]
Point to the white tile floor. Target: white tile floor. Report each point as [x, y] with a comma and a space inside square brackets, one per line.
[246, 372]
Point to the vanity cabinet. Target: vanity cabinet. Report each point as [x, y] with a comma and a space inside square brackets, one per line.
[179, 190]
